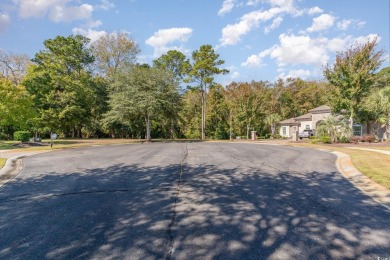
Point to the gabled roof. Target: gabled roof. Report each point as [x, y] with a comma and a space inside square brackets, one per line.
[290, 121]
[305, 117]
[321, 109]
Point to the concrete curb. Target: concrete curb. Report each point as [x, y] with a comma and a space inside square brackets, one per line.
[377, 192]
[344, 165]
[11, 168]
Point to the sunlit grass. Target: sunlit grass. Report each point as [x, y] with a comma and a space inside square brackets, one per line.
[2, 162]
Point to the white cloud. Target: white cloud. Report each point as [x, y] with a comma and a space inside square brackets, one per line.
[302, 74]
[227, 6]
[256, 60]
[303, 50]
[93, 35]
[321, 22]
[4, 22]
[361, 24]
[235, 75]
[315, 10]
[92, 24]
[163, 40]
[69, 13]
[299, 50]
[253, 2]
[344, 24]
[58, 10]
[232, 33]
[105, 5]
[365, 39]
[275, 24]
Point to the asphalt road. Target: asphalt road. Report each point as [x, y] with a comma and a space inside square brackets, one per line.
[188, 201]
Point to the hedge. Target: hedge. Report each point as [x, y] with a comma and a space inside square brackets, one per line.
[22, 136]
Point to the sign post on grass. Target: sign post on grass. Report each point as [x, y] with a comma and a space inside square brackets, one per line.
[53, 136]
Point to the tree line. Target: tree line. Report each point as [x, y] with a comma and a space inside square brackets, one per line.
[84, 90]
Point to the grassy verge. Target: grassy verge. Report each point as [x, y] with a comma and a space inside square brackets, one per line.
[372, 164]
[2, 162]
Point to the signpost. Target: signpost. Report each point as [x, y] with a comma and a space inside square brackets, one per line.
[53, 136]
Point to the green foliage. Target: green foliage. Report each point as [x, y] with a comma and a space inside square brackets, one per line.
[64, 92]
[114, 51]
[314, 141]
[22, 136]
[15, 108]
[204, 68]
[326, 139]
[221, 134]
[140, 92]
[353, 74]
[334, 127]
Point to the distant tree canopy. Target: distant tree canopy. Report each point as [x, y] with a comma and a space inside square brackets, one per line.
[353, 75]
[78, 89]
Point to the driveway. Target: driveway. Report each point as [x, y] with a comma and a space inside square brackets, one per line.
[188, 201]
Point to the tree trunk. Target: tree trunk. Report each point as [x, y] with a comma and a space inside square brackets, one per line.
[387, 134]
[247, 132]
[273, 129]
[148, 137]
[351, 122]
[230, 126]
[171, 130]
[203, 114]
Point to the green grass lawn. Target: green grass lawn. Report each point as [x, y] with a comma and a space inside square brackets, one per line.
[2, 162]
[7, 145]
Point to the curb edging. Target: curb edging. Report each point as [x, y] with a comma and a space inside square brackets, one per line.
[377, 192]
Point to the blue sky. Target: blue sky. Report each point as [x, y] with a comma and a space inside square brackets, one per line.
[258, 39]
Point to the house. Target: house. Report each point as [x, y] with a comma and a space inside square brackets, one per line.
[307, 121]
[311, 120]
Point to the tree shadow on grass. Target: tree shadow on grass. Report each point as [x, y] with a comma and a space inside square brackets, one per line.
[126, 211]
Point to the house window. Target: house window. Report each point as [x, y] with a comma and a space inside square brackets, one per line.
[357, 130]
[284, 130]
[307, 127]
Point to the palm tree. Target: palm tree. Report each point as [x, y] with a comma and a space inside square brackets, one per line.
[336, 127]
[378, 103]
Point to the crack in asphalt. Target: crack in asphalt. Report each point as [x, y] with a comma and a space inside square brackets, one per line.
[174, 213]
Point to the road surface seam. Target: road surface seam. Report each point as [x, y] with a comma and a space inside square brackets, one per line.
[174, 213]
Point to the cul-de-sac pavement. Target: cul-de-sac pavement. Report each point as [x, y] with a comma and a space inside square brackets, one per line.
[188, 201]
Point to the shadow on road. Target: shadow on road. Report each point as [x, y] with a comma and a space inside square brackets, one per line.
[220, 214]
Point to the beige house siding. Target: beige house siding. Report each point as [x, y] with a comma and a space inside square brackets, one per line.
[288, 131]
[319, 117]
[303, 125]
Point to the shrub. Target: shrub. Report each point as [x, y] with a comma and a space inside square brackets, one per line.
[221, 134]
[325, 139]
[314, 140]
[355, 139]
[22, 136]
[344, 139]
[368, 138]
